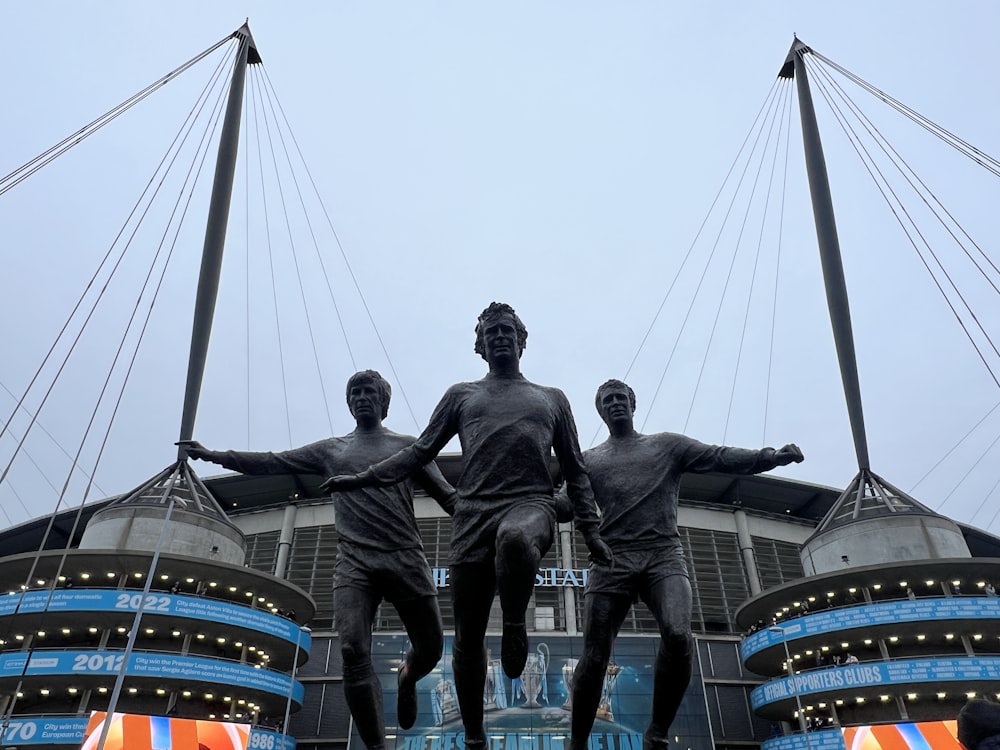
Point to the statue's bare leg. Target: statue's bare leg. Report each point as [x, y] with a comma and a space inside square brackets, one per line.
[603, 617]
[472, 590]
[523, 538]
[422, 621]
[355, 610]
[669, 599]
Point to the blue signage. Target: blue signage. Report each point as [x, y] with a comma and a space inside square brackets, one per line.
[70, 730]
[264, 739]
[149, 664]
[828, 739]
[875, 674]
[45, 731]
[190, 607]
[872, 615]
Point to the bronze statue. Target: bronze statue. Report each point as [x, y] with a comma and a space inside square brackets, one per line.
[505, 514]
[636, 478]
[380, 555]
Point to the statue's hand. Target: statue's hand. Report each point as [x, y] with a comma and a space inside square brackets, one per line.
[194, 449]
[341, 483]
[788, 454]
[600, 552]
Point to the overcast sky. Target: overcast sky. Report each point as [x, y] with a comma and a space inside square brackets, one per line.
[559, 156]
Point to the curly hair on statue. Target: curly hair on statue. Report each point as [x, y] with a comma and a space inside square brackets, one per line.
[381, 385]
[494, 311]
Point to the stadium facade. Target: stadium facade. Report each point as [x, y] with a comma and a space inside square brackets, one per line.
[238, 622]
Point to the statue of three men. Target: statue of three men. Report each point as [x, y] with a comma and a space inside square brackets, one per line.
[504, 517]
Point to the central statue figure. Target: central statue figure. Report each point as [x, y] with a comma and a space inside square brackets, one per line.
[505, 514]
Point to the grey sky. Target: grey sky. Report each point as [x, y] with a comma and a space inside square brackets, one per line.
[559, 156]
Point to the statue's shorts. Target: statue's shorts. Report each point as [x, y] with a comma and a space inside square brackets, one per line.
[636, 571]
[476, 522]
[399, 576]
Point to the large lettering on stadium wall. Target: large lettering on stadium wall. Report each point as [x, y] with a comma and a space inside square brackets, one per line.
[550, 577]
[190, 607]
[903, 672]
[149, 664]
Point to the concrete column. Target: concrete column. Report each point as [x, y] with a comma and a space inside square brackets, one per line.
[746, 549]
[569, 593]
[285, 539]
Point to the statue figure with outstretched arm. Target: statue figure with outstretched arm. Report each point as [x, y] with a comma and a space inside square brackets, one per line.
[636, 478]
[505, 514]
[380, 555]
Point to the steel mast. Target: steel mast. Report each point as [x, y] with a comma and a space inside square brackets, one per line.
[177, 484]
[868, 495]
[829, 249]
[215, 233]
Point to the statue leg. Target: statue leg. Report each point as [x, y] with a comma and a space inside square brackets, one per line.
[603, 616]
[422, 620]
[669, 599]
[355, 610]
[523, 538]
[472, 590]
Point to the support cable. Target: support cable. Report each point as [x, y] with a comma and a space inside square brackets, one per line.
[17, 496]
[60, 567]
[968, 473]
[708, 262]
[697, 235]
[29, 168]
[773, 116]
[756, 260]
[51, 437]
[291, 246]
[777, 269]
[866, 157]
[350, 270]
[270, 258]
[896, 159]
[954, 448]
[691, 247]
[8, 485]
[104, 260]
[879, 139]
[983, 159]
[989, 494]
[203, 148]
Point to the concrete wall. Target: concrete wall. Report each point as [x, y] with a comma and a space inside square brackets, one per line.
[887, 539]
[138, 528]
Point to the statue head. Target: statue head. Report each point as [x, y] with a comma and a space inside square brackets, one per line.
[604, 398]
[494, 312]
[383, 391]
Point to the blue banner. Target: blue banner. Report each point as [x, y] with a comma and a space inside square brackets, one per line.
[70, 730]
[827, 739]
[67, 730]
[190, 607]
[874, 674]
[265, 739]
[149, 664]
[871, 615]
